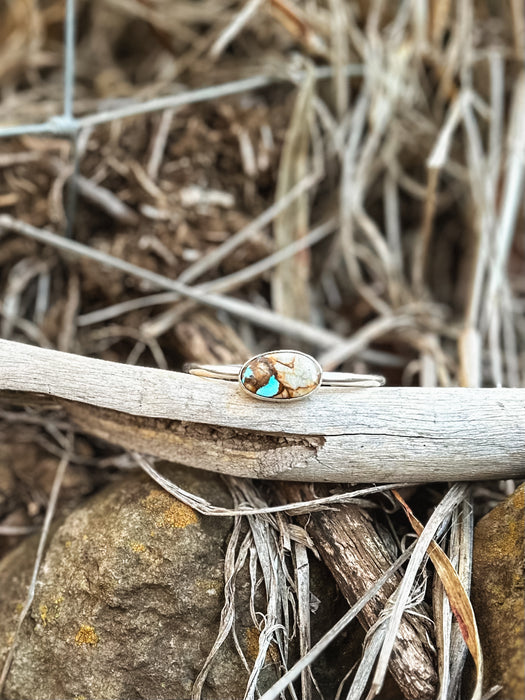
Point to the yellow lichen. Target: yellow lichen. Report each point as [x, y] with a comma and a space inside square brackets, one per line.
[252, 642]
[180, 515]
[43, 614]
[252, 646]
[67, 544]
[86, 635]
[50, 613]
[169, 511]
[137, 547]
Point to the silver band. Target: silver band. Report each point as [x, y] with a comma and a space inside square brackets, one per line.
[337, 379]
[283, 375]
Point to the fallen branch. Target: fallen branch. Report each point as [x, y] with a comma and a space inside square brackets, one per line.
[377, 435]
[357, 557]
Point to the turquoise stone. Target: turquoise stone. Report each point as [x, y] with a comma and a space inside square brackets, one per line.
[280, 375]
[269, 389]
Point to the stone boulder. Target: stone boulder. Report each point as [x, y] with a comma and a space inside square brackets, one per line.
[128, 600]
[497, 594]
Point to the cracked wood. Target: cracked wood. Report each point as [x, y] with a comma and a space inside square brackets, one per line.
[380, 435]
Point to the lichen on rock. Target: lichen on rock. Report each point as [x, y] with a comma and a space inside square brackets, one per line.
[498, 594]
[128, 601]
[86, 635]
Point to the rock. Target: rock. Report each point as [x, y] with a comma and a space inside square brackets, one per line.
[128, 601]
[497, 594]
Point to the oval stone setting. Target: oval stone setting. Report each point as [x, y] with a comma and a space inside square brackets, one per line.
[280, 375]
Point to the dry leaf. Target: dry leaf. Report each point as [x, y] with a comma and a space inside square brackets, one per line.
[457, 596]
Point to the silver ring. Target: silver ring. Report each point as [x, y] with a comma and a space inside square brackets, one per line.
[282, 375]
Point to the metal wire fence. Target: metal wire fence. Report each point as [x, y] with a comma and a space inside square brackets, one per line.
[68, 125]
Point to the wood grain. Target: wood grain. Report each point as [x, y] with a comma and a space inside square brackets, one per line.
[380, 435]
[350, 546]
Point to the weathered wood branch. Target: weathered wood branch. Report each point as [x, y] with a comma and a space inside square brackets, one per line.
[350, 546]
[380, 435]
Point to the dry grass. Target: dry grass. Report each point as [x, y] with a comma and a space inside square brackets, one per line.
[365, 181]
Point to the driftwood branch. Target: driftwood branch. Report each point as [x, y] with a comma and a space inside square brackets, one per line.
[379, 435]
[351, 548]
